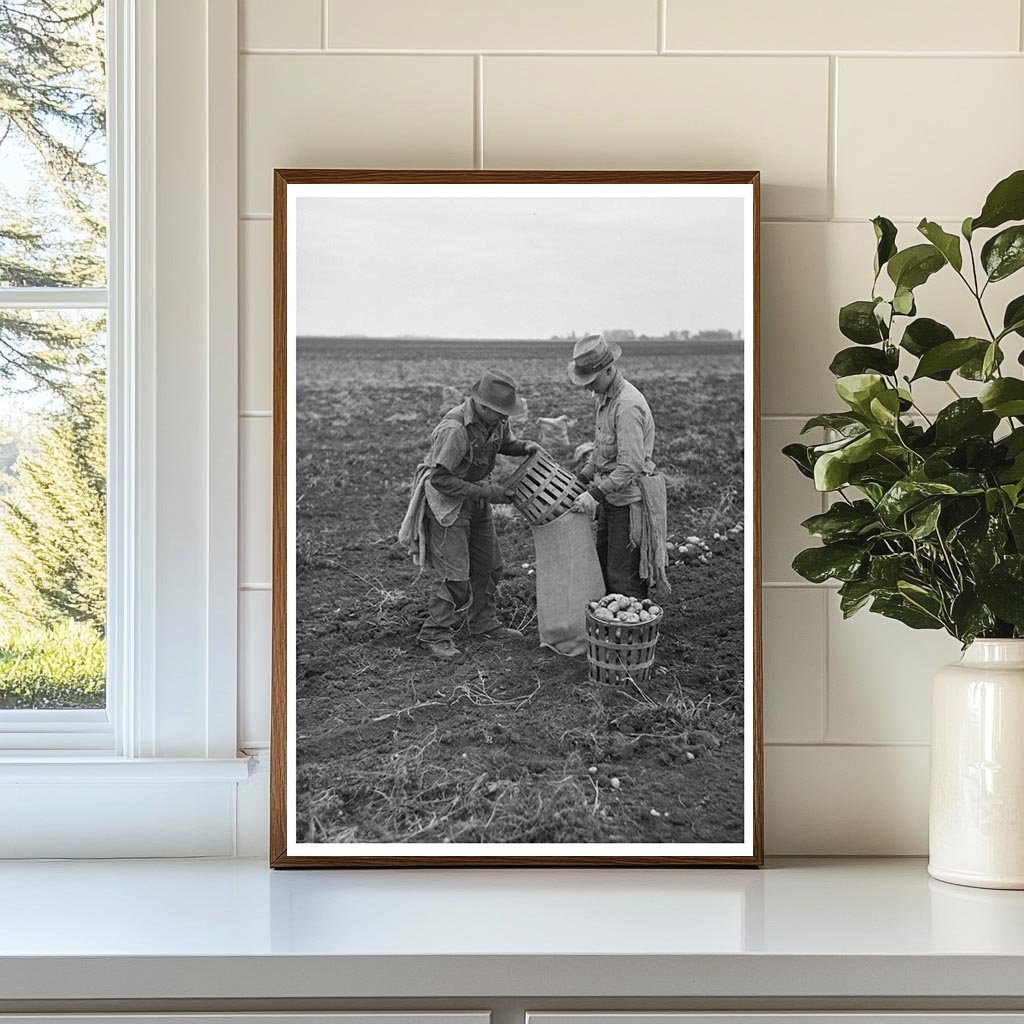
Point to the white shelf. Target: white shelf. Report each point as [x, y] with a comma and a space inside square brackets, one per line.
[223, 929]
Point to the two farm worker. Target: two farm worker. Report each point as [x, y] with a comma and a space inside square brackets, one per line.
[618, 466]
[462, 545]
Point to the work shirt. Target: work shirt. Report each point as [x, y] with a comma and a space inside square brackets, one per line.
[623, 444]
[464, 449]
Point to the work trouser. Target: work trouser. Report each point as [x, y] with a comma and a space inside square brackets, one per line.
[620, 562]
[467, 558]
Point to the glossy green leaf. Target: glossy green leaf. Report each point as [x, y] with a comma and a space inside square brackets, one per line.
[1005, 596]
[857, 322]
[885, 238]
[799, 455]
[840, 561]
[906, 494]
[1004, 397]
[858, 389]
[831, 471]
[1003, 254]
[850, 361]
[971, 616]
[911, 267]
[964, 418]
[950, 355]
[1013, 317]
[899, 608]
[854, 594]
[903, 302]
[990, 360]
[923, 335]
[947, 244]
[1005, 202]
[885, 409]
[843, 521]
[841, 421]
[974, 368]
[925, 518]
[965, 228]
[886, 571]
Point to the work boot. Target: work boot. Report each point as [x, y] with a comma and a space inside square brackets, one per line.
[441, 648]
[502, 633]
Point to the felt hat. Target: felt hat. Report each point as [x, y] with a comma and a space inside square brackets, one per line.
[498, 392]
[590, 355]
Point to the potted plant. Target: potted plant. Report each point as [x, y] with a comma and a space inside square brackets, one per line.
[927, 521]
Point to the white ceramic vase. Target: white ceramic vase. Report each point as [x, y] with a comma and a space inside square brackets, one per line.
[976, 813]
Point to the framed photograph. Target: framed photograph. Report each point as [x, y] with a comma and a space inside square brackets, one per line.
[516, 558]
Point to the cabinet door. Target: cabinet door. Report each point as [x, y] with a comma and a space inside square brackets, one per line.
[783, 1017]
[359, 1017]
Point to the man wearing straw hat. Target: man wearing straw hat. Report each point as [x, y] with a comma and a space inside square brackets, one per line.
[618, 468]
[461, 542]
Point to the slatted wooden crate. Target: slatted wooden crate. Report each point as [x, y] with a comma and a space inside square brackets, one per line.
[542, 490]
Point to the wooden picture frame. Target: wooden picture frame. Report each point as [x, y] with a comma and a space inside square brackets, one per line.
[374, 751]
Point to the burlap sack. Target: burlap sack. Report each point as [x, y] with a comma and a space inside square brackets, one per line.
[568, 576]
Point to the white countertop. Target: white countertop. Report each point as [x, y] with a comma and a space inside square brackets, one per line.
[235, 929]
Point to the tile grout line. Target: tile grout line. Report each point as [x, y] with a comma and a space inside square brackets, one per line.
[662, 42]
[833, 135]
[851, 744]
[824, 723]
[478, 111]
[257, 51]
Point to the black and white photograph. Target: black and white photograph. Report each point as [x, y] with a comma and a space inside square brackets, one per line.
[516, 563]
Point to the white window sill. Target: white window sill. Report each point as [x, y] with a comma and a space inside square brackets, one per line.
[77, 766]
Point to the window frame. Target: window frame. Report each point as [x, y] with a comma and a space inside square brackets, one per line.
[172, 511]
[78, 730]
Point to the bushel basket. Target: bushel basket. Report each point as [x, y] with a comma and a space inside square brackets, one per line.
[542, 490]
[617, 651]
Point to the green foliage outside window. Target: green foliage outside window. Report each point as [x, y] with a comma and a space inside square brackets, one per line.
[52, 365]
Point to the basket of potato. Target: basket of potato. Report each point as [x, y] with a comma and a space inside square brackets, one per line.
[622, 635]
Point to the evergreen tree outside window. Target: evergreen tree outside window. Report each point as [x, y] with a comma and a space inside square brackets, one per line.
[53, 359]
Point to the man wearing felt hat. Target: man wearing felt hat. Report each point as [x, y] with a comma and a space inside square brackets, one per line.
[618, 469]
[461, 544]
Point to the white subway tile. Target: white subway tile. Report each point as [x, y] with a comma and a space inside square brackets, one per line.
[670, 112]
[254, 619]
[960, 130]
[793, 631]
[787, 498]
[271, 24]
[255, 321]
[869, 25]
[255, 505]
[879, 677]
[809, 271]
[351, 111]
[496, 25]
[846, 801]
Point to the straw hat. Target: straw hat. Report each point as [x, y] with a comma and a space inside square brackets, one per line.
[590, 355]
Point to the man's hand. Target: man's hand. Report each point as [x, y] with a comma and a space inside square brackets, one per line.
[532, 446]
[585, 503]
[496, 494]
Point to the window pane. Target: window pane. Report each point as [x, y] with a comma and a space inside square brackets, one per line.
[52, 509]
[53, 147]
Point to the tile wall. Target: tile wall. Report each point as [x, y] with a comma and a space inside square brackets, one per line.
[909, 110]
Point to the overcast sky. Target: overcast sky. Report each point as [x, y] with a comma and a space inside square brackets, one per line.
[516, 267]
